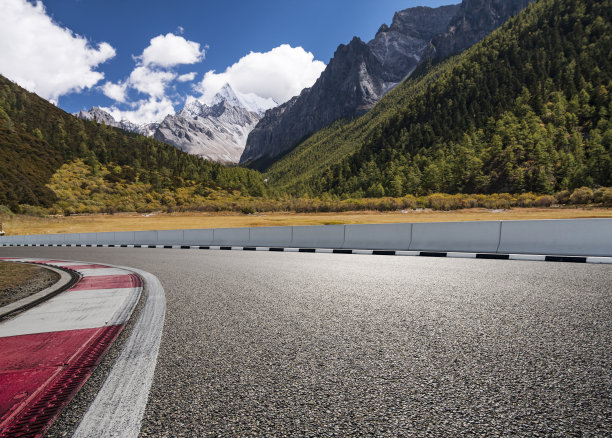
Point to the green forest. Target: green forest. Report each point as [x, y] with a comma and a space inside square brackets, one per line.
[525, 113]
[37, 138]
[526, 110]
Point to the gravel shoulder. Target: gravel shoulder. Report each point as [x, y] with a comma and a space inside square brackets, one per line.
[19, 280]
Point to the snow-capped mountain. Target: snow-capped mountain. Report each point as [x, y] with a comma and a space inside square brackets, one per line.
[102, 116]
[250, 101]
[218, 129]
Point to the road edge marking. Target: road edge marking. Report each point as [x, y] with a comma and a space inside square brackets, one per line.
[118, 408]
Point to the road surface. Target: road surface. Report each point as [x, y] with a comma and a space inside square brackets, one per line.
[282, 344]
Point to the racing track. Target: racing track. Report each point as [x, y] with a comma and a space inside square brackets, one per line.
[305, 344]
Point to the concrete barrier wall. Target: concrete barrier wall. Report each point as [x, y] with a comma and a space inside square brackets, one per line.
[456, 236]
[231, 236]
[203, 237]
[587, 237]
[558, 237]
[378, 236]
[169, 237]
[105, 238]
[145, 237]
[318, 236]
[271, 236]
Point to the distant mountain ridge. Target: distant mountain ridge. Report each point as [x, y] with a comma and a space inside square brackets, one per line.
[216, 130]
[355, 79]
[102, 116]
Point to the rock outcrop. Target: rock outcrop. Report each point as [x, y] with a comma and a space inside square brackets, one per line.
[355, 79]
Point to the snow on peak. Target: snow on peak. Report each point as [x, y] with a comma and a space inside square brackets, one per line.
[248, 101]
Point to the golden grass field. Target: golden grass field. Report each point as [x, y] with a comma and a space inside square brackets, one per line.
[168, 221]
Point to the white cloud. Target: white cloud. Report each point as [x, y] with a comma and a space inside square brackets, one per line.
[170, 50]
[144, 111]
[187, 77]
[44, 57]
[279, 74]
[151, 82]
[116, 92]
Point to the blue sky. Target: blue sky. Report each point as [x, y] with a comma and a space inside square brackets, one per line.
[226, 31]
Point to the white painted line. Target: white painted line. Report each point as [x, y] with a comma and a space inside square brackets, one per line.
[292, 249]
[599, 260]
[118, 408]
[102, 271]
[73, 310]
[68, 264]
[407, 253]
[262, 248]
[325, 250]
[215, 247]
[237, 248]
[461, 255]
[24, 260]
[531, 257]
[363, 251]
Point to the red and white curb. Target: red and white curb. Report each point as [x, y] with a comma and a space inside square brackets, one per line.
[48, 352]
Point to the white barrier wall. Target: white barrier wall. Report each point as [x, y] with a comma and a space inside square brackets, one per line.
[318, 236]
[557, 237]
[170, 237]
[580, 237]
[198, 237]
[146, 237]
[271, 236]
[378, 236]
[231, 236]
[456, 236]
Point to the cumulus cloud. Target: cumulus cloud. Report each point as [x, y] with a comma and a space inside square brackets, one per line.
[151, 82]
[144, 111]
[117, 92]
[153, 74]
[44, 57]
[279, 74]
[187, 77]
[170, 50]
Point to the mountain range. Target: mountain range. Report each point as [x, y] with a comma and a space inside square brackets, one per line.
[524, 110]
[236, 128]
[216, 130]
[527, 109]
[361, 73]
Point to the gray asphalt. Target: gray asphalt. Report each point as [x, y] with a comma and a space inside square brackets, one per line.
[289, 344]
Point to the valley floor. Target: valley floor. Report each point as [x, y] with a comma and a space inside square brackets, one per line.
[166, 221]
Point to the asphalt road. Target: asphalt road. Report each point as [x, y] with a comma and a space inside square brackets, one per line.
[294, 344]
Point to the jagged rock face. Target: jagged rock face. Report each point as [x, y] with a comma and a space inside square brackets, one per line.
[355, 79]
[399, 47]
[101, 116]
[475, 20]
[216, 132]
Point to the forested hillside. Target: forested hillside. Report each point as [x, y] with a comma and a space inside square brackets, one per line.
[527, 109]
[37, 138]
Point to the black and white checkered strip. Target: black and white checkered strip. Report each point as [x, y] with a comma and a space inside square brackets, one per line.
[462, 255]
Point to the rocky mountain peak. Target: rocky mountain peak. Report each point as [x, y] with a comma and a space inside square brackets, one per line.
[355, 79]
[102, 116]
[474, 20]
